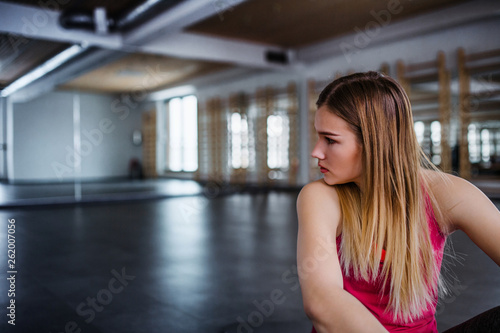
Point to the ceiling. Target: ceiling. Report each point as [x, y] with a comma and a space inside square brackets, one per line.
[151, 45]
[296, 23]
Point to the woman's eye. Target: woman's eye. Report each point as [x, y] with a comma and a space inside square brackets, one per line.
[330, 141]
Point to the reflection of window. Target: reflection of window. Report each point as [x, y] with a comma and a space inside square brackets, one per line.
[473, 139]
[240, 154]
[485, 145]
[278, 132]
[182, 134]
[497, 139]
[419, 131]
[436, 142]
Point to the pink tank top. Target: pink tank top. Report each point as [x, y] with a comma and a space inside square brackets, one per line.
[368, 293]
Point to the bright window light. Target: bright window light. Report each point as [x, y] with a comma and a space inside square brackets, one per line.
[419, 131]
[239, 141]
[183, 134]
[277, 141]
[473, 139]
[485, 145]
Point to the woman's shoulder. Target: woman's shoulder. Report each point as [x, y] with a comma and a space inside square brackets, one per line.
[318, 191]
[318, 207]
[319, 195]
[448, 192]
[446, 186]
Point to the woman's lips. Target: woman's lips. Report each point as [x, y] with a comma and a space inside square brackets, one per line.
[323, 170]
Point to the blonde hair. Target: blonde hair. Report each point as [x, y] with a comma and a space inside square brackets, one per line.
[390, 212]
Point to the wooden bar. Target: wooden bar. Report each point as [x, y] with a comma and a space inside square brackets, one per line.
[485, 94]
[424, 99]
[385, 69]
[401, 76]
[421, 66]
[483, 68]
[420, 78]
[487, 106]
[482, 55]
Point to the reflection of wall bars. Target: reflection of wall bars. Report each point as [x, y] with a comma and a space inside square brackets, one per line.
[293, 145]
[216, 141]
[149, 143]
[478, 103]
[428, 87]
[264, 101]
[239, 142]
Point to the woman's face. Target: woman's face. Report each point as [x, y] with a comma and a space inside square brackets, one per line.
[337, 150]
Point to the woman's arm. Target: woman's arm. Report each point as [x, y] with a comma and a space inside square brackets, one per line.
[327, 304]
[471, 211]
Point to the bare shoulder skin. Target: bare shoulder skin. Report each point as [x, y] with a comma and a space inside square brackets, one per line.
[466, 208]
[327, 304]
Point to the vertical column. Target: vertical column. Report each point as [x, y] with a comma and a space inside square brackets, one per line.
[77, 147]
[293, 156]
[9, 143]
[212, 167]
[304, 131]
[464, 116]
[384, 69]
[149, 143]
[444, 111]
[311, 111]
[202, 142]
[261, 136]
[401, 75]
[3, 113]
[161, 140]
[218, 141]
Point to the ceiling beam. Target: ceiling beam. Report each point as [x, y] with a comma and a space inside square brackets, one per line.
[94, 59]
[194, 46]
[43, 23]
[162, 35]
[179, 17]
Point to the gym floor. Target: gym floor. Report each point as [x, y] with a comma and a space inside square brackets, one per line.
[180, 259]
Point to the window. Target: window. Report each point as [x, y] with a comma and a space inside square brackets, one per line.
[473, 139]
[485, 146]
[182, 134]
[278, 140]
[436, 142]
[240, 153]
[419, 131]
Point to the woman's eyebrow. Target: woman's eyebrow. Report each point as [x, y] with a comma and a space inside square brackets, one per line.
[328, 133]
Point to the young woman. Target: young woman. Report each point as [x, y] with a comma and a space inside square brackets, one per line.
[372, 231]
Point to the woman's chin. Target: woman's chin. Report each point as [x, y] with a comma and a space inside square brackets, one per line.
[328, 180]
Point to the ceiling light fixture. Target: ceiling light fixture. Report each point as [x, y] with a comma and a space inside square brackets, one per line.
[43, 69]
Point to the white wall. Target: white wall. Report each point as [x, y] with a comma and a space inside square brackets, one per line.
[43, 138]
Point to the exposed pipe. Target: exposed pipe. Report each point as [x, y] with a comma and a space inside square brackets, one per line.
[135, 14]
[86, 20]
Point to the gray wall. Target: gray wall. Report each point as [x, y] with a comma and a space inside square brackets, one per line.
[43, 138]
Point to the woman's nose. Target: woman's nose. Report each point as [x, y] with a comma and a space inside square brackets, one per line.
[317, 152]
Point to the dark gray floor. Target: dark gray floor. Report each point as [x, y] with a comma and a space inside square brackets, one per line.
[184, 264]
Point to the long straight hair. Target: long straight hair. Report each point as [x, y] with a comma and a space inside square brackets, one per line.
[390, 211]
